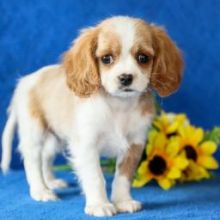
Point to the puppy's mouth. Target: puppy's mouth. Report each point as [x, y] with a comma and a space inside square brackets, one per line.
[128, 90]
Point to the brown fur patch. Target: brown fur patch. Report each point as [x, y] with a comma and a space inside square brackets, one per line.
[146, 104]
[81, 66]
[35, 108]
[168, 65]
[129, 164]
[51, 102]
[108, 44]
[143, 45]
[143, 39]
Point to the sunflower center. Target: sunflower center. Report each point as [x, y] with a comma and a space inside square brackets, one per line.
[172, 134]
[190, 152]
[157, 165]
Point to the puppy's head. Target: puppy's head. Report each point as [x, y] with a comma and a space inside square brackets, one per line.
[125, 56]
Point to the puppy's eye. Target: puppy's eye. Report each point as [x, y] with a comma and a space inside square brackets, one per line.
[142, 58]
[107, 59]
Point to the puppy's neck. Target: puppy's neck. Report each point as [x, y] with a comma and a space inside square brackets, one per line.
[121, 103]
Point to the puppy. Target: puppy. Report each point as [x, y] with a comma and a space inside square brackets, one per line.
[98, 102]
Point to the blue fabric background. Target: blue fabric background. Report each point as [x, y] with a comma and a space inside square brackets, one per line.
[35, 33]
[194, 201]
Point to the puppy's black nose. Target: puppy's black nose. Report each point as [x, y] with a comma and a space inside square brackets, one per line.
[126, 79]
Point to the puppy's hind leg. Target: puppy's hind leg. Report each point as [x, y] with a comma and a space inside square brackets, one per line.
[51, 147]
[31, 142]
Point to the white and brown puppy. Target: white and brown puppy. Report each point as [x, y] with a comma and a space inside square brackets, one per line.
[98, 102]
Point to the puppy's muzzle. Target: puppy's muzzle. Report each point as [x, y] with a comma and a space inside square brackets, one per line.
[125, 79]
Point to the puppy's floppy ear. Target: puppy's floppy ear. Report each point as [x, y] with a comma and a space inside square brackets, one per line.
[80, 64]
[168, 65]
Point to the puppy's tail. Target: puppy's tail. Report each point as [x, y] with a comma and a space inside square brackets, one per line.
[7, 138]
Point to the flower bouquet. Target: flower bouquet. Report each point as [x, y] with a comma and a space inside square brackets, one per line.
[177, 151]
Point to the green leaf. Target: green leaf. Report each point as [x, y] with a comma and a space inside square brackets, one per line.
[213, 135]
[108, 165]
[64, 167]
[157, 104]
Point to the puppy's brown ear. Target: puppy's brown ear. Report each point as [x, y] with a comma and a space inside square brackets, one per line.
[80, 64]
[168, 65]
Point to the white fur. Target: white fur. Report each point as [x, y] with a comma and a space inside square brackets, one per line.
[104, 124]
[125, 29]
[7, 142]
[121, 195]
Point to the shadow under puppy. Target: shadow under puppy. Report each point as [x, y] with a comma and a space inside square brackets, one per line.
[98, 101]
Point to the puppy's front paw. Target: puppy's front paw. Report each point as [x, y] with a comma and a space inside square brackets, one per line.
[43, 195]
[99, 210]
[128, 206]
[56, 184]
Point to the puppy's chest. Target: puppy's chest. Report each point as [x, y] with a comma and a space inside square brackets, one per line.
[120, 130]
[125, 122]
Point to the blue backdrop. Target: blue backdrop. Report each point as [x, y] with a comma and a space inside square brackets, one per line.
[35, 33]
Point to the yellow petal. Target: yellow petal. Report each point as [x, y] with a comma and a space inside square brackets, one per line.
[189, 131]
[162, 122]
[173, 147]
[181, 118]
[160, 141]
[171, 117]
[208, 162]
[173, 127]
[183, 131]
[182, 121]
[141, 181]
[208, 147]
[174, 173]
[197, 136]
[203, 173]
[149, 149]
[142, 170]
[181, 162]
[165, 183]
[199, 175]
[157, 124]
[165, 118]
[195, 172]
[151, 137]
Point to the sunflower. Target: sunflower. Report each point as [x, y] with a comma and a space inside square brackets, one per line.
[163, 163]
[194, 172]
[170, 123]
[198, 152]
